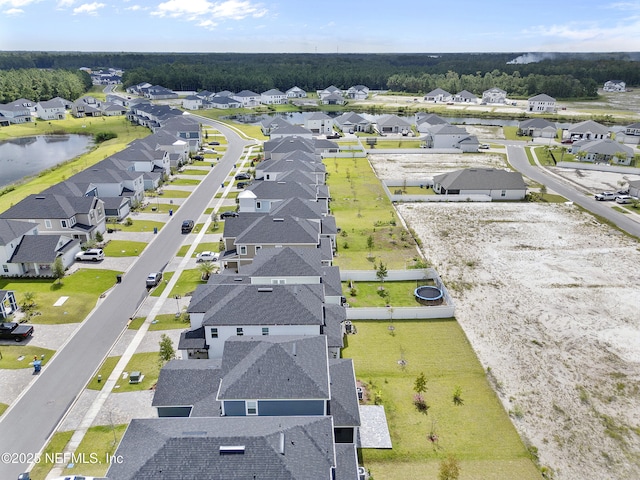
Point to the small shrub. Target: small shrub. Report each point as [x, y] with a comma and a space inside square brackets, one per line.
[128, 222]
[457, 396]
[104, 136]
[420, 403]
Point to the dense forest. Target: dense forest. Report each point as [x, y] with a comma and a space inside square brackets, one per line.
[36, 84]
[560, 75]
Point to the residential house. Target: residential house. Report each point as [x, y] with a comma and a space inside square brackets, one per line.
[37, 254]
[271, 123]
[8, 303]
[538, 128]
[587, 130]
[494, 95]
[447, 136]
[268, 192]
[273, 97]
[542, 103]
[358, 92]
[222, 102]
[177, 148]
[17, 112]
[185, 128]
[392, 124]
[272, 170]
[351, 122]
[604, 150]
[74, 217]
[11, 234]
[333, 99]
[438, 95]
[192, 102]
[424, 121]
[152, 116]
[281, 147]
[331, 90]
[634, 188]
[288, 131]
[296, 92]
[112, 109]
[497, 184]
[51, 110]
[465, 97]
[218, 312]
[630, 135]
[295, 448]
[247, 98]
[615, 86]
[319, 123]
[158, 92]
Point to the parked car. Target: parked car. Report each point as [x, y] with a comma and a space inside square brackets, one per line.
[198, 157]
[15, 331]
[208, 150]
[484, 146]
[154, 279]
[92, 254]
[207, 256]
[243, 176]
[229, 214]
[187, 226]
[605, 196]
[624, 199]
[243, 184]
[214, 143]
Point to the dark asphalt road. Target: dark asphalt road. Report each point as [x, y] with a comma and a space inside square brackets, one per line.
[25, 428]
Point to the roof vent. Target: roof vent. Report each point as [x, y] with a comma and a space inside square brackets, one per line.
[231, 449]
[265, 289]
[294, 350]
[237, 279]
[281, 443]
[278, 219]
[41, 198]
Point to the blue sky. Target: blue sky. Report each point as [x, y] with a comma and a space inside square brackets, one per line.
[324, 27]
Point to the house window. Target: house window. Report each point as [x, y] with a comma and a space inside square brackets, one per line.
[5, 268]
[267, 177]
[503, 193]
[258, 247]
[47, 223]
[265, 330]
[239, 331]
[214, 332]
[243, 250]
[63, 223]
[252, 407]
[258, 205]
[72, 221]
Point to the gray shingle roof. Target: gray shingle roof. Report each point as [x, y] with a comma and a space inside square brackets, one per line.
[481, 179]
[284, 262]
[334, 315]
[41, 248]
[13, 229]
[282, 230]
[344, 397]
[193, 448]
[49, 206]
[275, 367]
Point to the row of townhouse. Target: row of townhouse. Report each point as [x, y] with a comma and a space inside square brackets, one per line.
[59, 220]
[261, 390]
[541, 103]
[25, 111]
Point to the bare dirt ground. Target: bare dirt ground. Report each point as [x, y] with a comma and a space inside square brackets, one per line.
[548, 297]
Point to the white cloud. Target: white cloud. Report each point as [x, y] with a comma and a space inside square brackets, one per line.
[625, 36]
[208, 14]
[13, 12]
[88, 8]
[16, 3]
[135, 8]
[65, 3]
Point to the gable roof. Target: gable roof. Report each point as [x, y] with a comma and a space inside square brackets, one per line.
[284, 262]
[542, 97]
[275, 367]
[537, 123]
[41, 248]
[286, 448]
[11, 230]
[48, 206]
[344, 398]
[481, 179]
[588, 126]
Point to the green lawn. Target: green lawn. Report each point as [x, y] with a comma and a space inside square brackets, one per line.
[394, 144]
[159, 207]
[187, 283]
[100, 441]
[412, 190]
[11, 355]
[171, 193]
[105, 370]
[367, 294]
[362, 209]
[204, 246]
[165, 321]
[139, 226]
[185, 181]
[124, 248]
[157, 291]
[3, 408]
[479, 433]
[83, 288]
[145, 363]
[55, 446]
[193, 171]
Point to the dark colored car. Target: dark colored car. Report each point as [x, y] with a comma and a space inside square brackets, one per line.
[15, 331]
[187, 226]
[243, 176]
[228, 214]
[198, 157]
[243, 184]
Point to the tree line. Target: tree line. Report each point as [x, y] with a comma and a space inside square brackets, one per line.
[559, 75]
[38, 85]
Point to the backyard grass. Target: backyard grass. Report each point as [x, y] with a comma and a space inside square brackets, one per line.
[412, 190]
[479, 433]
[381, 144]
[124, 248]
[145, 363]
[56, 445]
[369, 295]
[11, 355]
[105, 370]
[100, 441]
[362, 209]
[83, 288]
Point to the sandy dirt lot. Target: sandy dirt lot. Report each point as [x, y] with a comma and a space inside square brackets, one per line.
[548, 297]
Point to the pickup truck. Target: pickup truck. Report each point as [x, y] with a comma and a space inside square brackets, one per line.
[15, 331]
[604, 196]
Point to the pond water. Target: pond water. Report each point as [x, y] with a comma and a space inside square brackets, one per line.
[28, 156]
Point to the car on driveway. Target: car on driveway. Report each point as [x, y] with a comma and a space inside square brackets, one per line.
[243, 176]
[187, 226]
[484, 146]
[207, 256]
[605, 196]
[153, 279]
[229, 214]
[624, 199]
[92, 255]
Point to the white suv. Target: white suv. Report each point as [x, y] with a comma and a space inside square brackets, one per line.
[93, 255]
